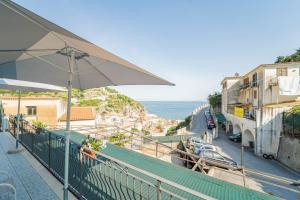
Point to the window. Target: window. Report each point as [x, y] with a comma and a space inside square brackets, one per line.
[31, 110]
[281, 71]
[254, 79]
[254, 94]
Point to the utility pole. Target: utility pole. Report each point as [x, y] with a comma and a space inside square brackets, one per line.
[242, 147]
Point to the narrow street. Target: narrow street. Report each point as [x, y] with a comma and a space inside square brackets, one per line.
[233, 150]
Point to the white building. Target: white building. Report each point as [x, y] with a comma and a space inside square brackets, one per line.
[253, 103]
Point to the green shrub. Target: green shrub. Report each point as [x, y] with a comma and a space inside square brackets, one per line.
[95, 144]
[146, 132]
[186, 123]
[172, 130]
[118, 139]
[39, 124]
[89, 102]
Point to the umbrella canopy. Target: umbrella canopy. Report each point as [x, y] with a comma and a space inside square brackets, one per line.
[34, 49]
[26, 86]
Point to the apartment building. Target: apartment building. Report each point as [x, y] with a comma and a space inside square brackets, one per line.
[253, 103]
[45, 109]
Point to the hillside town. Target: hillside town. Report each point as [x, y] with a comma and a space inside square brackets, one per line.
[92, 108]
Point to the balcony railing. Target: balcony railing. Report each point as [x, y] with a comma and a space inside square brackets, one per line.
[102, 177]
[247, 114]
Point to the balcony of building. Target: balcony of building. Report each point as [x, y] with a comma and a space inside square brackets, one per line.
[282, 89]
[243, 110]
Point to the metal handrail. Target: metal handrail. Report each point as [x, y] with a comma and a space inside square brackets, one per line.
[163, 180]
[136, 177]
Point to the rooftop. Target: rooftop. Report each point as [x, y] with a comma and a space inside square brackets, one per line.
[275, 65]
[81, 113]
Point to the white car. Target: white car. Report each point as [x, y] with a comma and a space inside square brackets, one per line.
[200, 147]
[192, 141]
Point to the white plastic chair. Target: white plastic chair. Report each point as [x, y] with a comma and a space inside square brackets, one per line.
[7, 187]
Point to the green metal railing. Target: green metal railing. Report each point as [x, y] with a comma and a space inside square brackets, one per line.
[101, 177]
[291, 124]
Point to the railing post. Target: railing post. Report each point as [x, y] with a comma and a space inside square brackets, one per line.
[80, 170]
[32, 141]
[156, 149]
[131, 140]
[293, 124]
[49, 149]
[158, 191]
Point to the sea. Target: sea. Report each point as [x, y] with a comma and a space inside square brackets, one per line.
[177, 110]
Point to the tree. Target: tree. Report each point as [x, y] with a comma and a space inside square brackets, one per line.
[215, 100]
[295, 57]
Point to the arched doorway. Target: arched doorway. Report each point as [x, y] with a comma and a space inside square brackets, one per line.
[237, 129]
[248, 139]
[229, 128]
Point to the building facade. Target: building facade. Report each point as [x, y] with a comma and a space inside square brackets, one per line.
[45, 109]
[253, 104]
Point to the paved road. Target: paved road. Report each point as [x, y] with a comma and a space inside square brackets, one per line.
[198, 124]
[233, 150]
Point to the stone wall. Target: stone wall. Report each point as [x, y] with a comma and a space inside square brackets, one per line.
[289, 152]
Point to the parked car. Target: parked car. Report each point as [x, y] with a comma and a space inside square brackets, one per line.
[213, 158]
[236, 137]
[200, 147]
[209, 120]
[193, 141]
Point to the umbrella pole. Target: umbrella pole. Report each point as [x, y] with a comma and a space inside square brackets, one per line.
[68, 130]
[18, 120]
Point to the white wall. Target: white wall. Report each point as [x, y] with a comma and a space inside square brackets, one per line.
[269, 128]
[243, 125]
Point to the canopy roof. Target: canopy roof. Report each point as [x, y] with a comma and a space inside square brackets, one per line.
[26, 86]
[34, 49]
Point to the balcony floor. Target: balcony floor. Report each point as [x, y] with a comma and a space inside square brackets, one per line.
[31, 179]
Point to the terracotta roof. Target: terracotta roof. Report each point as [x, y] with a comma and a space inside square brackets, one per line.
[80, 113]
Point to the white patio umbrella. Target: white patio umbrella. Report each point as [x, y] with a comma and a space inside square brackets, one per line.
[25, 86]
[34, 49]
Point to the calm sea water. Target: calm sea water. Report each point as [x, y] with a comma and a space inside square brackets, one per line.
[171, 109]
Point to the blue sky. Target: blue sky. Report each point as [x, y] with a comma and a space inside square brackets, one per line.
[192, 43]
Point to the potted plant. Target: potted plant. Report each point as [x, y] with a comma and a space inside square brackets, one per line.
[39, 126]
[91, 146]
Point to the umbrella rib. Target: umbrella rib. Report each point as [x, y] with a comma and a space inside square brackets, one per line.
[100, 72]
[46, 61]
[23, 50]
